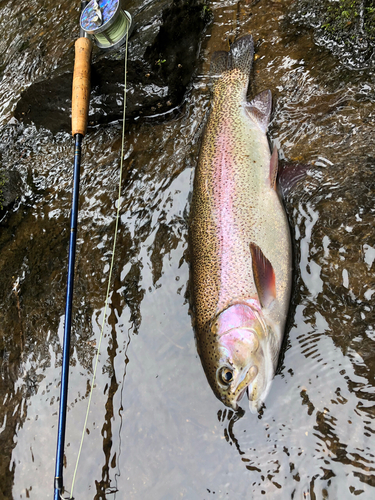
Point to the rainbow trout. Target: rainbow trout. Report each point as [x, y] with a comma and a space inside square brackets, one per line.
[239, 238]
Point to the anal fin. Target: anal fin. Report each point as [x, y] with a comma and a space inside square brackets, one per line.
[274, 168]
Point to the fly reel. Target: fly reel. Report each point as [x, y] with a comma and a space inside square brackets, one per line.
[107, 22]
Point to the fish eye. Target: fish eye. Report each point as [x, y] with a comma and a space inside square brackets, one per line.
[226, 375]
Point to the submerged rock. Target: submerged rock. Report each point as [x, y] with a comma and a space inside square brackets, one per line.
[10, 187]
[160, 67]
[346, 27]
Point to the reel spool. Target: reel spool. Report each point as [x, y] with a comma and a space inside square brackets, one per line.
[107, 22]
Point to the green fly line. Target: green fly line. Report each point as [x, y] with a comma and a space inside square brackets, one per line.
[109, 277]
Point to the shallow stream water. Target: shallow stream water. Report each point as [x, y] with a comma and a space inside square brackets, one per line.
[155, 429]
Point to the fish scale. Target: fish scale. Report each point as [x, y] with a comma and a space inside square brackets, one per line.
[239, 235]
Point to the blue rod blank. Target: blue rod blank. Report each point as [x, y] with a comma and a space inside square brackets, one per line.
[68, 322]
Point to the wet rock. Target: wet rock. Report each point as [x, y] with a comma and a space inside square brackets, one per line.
[346, 27]
[46, 104]
[160, 67]
[10, 187]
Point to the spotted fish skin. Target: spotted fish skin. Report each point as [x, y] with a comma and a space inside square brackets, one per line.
[239, 238]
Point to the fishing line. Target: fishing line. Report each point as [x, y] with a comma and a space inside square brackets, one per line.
[109, 277]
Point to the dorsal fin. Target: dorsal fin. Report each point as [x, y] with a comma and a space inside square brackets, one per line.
[264, 276]
[260, 109]
[274, 162]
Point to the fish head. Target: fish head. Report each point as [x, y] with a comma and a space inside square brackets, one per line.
[244, 364]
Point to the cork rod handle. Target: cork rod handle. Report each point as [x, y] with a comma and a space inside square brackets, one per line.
[81, 86]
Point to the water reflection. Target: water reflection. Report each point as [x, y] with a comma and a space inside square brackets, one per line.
[112, 424]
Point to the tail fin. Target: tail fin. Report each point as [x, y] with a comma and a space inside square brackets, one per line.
[240, 56]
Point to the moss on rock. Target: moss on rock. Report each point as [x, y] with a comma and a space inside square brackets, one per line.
[347, 27]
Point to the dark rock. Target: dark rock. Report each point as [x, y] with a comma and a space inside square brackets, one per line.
[10, 187]
[157, 78]
[173, 54]
[346, 27]
[47, 103]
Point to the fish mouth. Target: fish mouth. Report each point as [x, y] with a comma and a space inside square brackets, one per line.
[254, 404]
[235, 406]
[240, 396]
[243, 385]
[251, 373]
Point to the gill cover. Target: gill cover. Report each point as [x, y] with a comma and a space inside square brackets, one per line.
[240, 332]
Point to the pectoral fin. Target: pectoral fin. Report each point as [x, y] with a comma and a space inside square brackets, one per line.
[264, 276]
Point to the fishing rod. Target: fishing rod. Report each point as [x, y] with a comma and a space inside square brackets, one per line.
[108, 24]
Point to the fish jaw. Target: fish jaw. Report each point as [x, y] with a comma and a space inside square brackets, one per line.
[243, 361]
[258, 390]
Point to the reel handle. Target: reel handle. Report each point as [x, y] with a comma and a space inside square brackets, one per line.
[81, 86]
